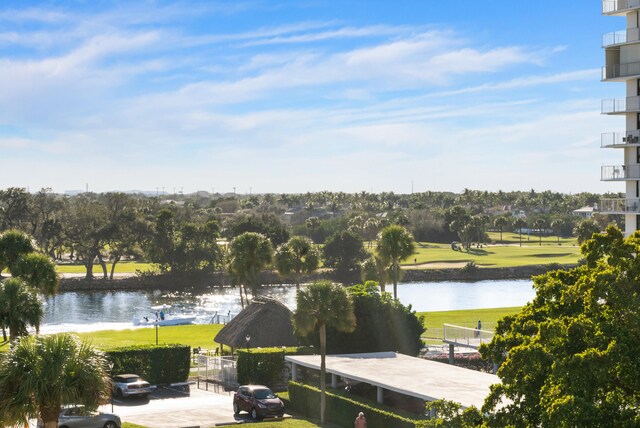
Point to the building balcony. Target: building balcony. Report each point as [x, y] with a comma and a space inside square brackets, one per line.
[630, 35]
[626, 105]
[620, 206]
[617, 7]
[620, 139]
[620, 172]
[621, 71]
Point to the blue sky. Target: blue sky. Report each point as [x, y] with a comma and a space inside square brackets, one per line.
[297, 96]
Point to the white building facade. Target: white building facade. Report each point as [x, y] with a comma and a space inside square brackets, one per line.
[622, 64]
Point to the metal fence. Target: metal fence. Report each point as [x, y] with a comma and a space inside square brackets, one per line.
[221, 318]
[466, 336]
[217, 369]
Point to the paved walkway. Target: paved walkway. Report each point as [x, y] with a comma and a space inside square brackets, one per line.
[177, 408]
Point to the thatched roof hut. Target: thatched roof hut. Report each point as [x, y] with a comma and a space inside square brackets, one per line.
[265, 320]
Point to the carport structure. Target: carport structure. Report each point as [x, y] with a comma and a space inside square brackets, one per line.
[415, 377]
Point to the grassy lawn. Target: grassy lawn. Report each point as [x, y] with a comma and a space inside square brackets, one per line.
[193, 335]
[122, 267]
[282, 423]
[466, 317]
[495, 255]
[435, 321]
[295, 423]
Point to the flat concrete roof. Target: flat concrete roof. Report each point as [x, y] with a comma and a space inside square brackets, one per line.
[416, 377]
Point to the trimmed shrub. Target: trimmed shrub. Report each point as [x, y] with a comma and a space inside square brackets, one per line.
[265, 366]
[158, 364]
[340, 410]
[260, 366]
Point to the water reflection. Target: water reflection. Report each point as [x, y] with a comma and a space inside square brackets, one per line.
[85, 311]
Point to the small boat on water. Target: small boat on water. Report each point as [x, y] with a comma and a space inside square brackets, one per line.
[163, 317]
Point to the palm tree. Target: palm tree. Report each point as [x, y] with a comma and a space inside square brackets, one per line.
[395, 244]
[312, 223]
[297, 257]
[40, 374]
[37, 271]
[500, 222]
[13, 245]
[557, 226]
[540, 224]
[323, 305]
[376, 268]
[20, 307]
[518, 224]
[249, 254]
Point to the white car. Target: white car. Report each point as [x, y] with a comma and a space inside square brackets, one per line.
[131, 385]
[79, 417]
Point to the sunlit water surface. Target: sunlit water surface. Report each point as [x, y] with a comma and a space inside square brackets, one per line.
[100, 310]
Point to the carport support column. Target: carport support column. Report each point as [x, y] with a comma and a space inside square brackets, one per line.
[294, 372]
[379, 394]
[334, 381]
[451, 358]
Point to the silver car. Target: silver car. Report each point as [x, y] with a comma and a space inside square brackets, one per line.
[79, 417]
[131, 385]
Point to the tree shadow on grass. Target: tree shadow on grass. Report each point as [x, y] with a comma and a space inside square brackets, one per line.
[479, 252]
[545, 255]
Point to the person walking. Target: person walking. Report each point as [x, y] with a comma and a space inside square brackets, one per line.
[361, 421]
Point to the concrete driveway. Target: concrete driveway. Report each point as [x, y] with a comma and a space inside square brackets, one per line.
[177, 407]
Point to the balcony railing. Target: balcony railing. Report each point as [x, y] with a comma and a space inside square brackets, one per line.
[620, 206]
[621, 37]
[620, 172]
[620, 139]
[621, 70]
[613, 106]
[614, 6]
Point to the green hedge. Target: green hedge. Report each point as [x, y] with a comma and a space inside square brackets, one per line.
[260, 366]
[341, 410]
[265, 366]
[158, 364]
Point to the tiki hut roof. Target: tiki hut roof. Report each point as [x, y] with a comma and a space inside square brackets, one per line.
[265, 320]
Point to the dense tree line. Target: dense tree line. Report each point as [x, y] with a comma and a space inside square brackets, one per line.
[182, 233]
[570, 357]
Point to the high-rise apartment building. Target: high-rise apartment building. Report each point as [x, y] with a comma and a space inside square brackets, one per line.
[622, 64]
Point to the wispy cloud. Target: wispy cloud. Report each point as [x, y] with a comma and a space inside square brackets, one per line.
[340, 33]
[197, 89]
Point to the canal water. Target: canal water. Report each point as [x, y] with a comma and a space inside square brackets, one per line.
[98, 310]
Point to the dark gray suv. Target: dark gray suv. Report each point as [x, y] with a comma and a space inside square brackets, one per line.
[258, 400]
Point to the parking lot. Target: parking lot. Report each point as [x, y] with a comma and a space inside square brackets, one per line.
[177, 407]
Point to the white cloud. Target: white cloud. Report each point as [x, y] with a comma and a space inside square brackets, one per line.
[337, 105]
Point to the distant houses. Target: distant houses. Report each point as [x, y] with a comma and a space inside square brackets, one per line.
[586, 212]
